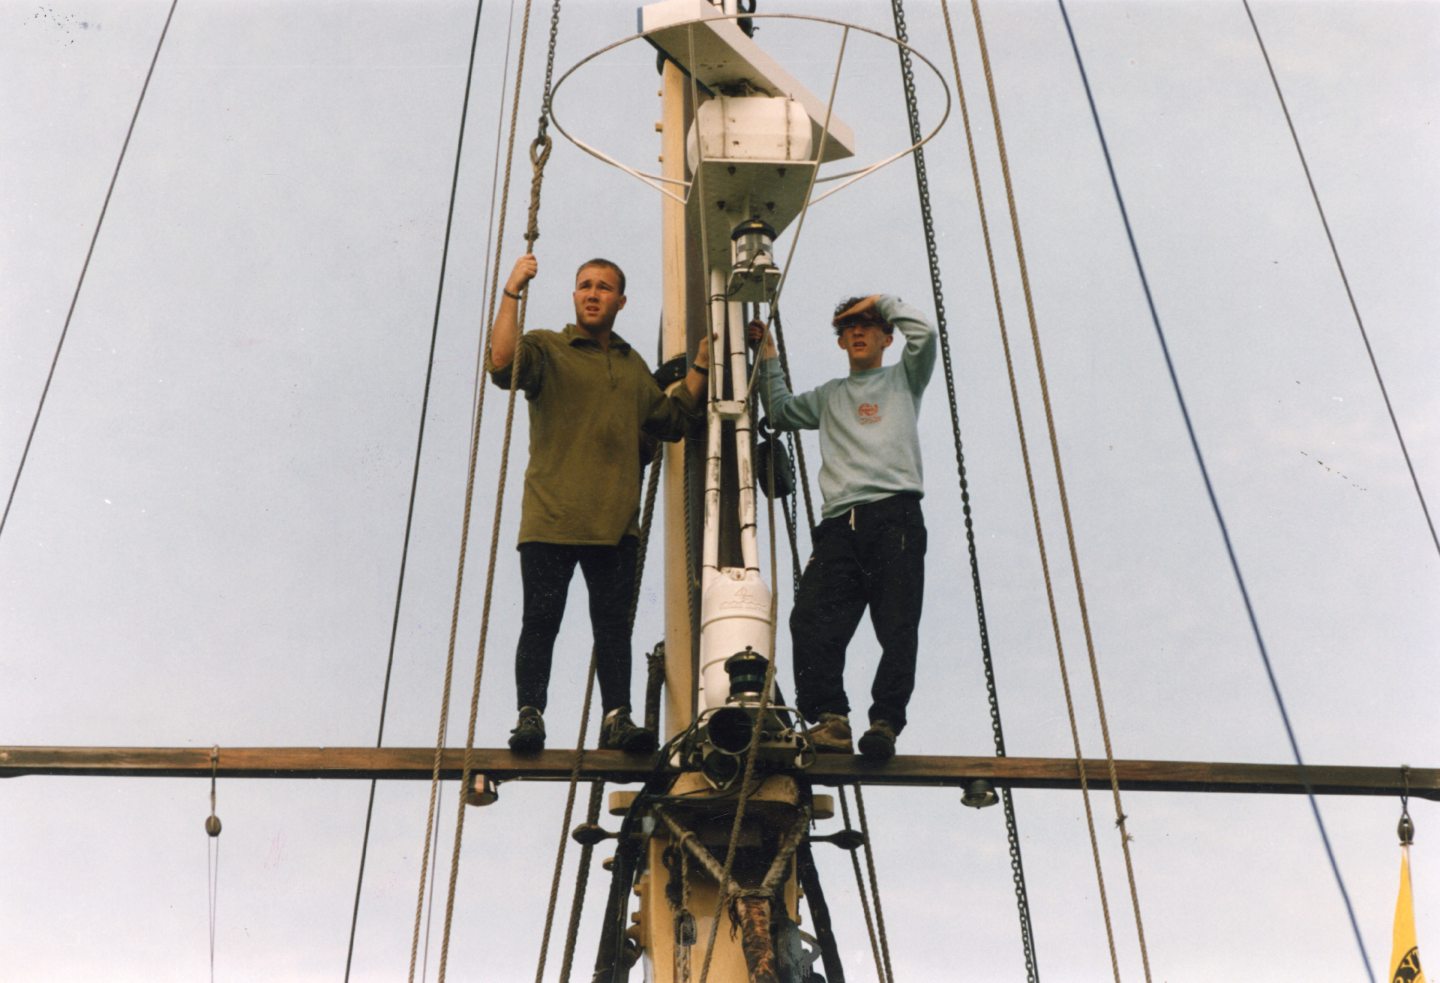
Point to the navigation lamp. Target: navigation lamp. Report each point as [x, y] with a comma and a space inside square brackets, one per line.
[753, 275]
[747, 675]
[979, 794]
[752, 244]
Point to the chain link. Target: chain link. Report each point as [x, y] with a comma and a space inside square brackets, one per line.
[1017, 869]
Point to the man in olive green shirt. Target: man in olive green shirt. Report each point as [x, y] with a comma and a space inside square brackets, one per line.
[591, 398]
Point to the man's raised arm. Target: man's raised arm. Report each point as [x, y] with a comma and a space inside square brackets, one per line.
[505, 332]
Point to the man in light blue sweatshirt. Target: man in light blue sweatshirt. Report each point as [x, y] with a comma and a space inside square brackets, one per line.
[869, 550]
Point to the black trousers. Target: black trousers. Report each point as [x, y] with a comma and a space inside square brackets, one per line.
[545, 573]
[871, 557]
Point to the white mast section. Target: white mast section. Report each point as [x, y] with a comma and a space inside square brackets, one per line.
[751, 150]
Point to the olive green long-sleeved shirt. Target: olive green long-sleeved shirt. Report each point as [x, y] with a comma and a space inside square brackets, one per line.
[588, 408]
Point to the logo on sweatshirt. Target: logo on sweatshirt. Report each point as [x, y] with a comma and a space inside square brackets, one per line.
[869, 413]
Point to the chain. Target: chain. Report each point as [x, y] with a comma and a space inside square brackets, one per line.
[803, 473]
[1017, 868]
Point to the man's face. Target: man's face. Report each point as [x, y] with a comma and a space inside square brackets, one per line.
[865, 342]
[597, 298]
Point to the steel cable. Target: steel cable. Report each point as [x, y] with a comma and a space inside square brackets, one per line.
[85, 268]
[1210, 493]
[1344, 279]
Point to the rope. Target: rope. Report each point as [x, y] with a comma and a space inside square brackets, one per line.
[804, 208]
[539, 154]
[766, 690]
[861, 889]
[565, 828]
[212, 856]
[84, 268]
[582, 880]
[414, 481]
[1345, 280]
[582, 873]
[748, 776]
[874, 884]
[464, 541]
[1055, 625]
[1017, 868]
[212, 891]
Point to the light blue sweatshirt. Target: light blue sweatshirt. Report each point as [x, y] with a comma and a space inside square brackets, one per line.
[869, 442]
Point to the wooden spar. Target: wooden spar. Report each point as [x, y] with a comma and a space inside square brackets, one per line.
[416, 764]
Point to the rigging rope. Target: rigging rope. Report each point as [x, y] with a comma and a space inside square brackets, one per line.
[874, 883]
[1017, 868]
[861, 889]
[582, 873]
[85, 268]
[1074, 557]
[464, 541]
[582, 880]
[414, 477]
[751, 756]
[565, 827]
[804, 482]
[1345, 280]
[212, 856]
[1210, 493]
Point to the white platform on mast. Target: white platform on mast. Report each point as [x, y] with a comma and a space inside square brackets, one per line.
[725, 56]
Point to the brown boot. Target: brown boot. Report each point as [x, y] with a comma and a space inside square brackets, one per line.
[832, 734]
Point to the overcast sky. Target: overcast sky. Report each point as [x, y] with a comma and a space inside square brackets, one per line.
[206, 538]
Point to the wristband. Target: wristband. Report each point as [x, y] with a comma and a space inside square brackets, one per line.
[507, 293]
[702, 369]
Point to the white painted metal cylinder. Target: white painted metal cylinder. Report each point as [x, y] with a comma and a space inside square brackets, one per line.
[741, 128]
[734, 614]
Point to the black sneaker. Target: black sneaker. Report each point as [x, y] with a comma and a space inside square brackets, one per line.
[878, 743]
[529, 733]
[619, 733]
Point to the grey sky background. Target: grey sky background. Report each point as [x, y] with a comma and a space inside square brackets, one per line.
[206, 539]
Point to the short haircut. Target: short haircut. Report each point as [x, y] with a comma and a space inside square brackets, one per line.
[872, 316]
[604, 264]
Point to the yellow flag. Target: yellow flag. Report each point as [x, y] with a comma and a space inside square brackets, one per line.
[1404, 953]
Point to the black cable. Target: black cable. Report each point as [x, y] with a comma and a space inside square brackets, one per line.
[1210, 490]
[1345, 280]
[414, 478]
[84, 268]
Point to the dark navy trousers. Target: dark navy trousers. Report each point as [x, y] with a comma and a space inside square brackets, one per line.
[872, 556]
[545, 573]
